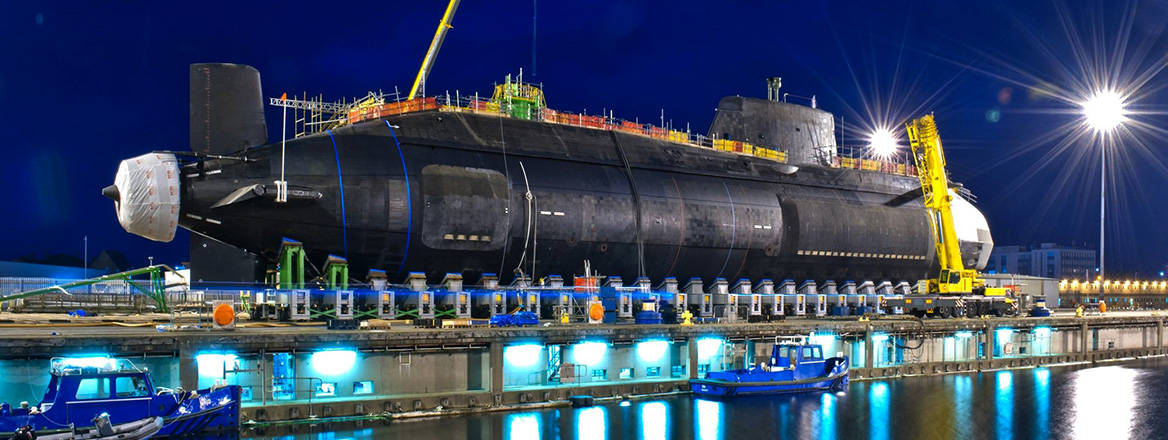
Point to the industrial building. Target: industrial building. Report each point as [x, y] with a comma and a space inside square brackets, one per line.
[1048, 260]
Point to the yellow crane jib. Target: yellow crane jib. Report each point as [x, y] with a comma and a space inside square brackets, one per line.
[929, 156]
[432, 53]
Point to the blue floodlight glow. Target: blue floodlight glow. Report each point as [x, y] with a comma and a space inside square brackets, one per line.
[879, 337]
[652, 350]
[522, 426]
[94, 361]
[522, 355]
[334, 362]
[708, 347]
[1042, 331]
[822, 338]
[963, 335]
[213, 364]
[589, 352]
[1003, 333]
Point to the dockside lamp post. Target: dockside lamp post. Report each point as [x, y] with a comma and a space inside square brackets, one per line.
[1104, 112]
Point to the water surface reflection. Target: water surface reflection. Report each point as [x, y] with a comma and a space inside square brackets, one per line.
[1110, 403]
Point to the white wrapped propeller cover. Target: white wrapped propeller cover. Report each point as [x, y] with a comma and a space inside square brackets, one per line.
[973, 233]
[148, 195]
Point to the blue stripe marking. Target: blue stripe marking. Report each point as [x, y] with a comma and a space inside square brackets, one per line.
[409, 205]
[733, 229]
[341, 184]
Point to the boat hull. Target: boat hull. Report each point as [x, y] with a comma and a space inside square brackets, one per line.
[724, 388]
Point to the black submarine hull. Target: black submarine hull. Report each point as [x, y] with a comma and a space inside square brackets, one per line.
[450, 192]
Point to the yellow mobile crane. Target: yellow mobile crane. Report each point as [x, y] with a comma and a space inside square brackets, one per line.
[954, 278]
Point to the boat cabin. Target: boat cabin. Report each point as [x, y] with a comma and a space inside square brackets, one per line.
[788, 355]
[83, 387]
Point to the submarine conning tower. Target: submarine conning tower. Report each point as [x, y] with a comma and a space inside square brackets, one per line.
[806, 133]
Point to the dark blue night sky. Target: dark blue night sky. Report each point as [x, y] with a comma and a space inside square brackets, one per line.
[83, 87]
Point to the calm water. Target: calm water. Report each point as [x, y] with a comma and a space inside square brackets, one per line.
[1110, 403]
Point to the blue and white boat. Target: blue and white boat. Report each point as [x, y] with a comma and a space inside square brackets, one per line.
[116, 391]
[795, 366]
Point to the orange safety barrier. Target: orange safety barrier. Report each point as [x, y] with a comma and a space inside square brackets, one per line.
[631, 127]
[657, 132]
[592, 121]
[393, 108]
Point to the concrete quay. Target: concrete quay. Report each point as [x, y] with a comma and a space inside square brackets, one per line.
[304, 371]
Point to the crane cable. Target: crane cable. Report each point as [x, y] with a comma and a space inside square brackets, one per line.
[527, 235]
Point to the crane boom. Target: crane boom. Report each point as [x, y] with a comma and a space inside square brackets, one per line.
[930, 160]
[432, 53]
[929, 156]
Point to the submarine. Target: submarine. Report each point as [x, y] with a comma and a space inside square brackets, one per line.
[439, 191]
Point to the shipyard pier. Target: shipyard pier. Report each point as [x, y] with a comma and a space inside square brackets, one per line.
[304, 372]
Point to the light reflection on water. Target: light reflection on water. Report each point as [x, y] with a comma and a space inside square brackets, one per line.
[827, 417]
[708, 419]
[1095, 403]
[654, 422]
[878, 409]
[1042, 402]
[522, 426]
[1004, 402]
[1104, 399]
[591, 423]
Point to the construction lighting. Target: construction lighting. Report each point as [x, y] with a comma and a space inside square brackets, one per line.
[882, 143]
[334, 362]
[212, 365]
[589, 352]
[1104, 110]
[652, 350]
[522, 355]
[708, 347]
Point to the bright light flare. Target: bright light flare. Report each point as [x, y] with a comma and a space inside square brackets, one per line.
[882, 143]
[1104, 110]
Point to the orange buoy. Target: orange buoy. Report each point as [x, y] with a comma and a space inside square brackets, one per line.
[596, 312]
[223, 315]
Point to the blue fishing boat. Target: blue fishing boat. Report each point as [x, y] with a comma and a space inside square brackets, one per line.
[80, 393]
[795, 366]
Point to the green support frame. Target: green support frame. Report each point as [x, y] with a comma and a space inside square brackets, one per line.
[290, 271]
[156, 290]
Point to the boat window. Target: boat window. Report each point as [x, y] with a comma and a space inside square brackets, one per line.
[818, 353]
[93, 388]
[783, 351]
[808, 353]
[130, 386]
